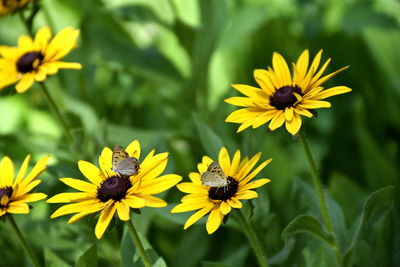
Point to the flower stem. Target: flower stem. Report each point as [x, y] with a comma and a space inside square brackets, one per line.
[138, 244]
[25, 245]
[317, 182]
[254, 241]
[57, 111]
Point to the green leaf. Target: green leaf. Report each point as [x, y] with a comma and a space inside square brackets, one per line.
[376, 202]
[283, 254]
[52, 260]
[307, 224]
[209, 139]
[88, 258]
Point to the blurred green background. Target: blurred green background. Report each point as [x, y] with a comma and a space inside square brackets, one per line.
[158, 71]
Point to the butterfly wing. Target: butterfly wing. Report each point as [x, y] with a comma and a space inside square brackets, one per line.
[214, 176]
[127, 166]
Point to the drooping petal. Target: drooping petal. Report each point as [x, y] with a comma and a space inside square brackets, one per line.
[104, 220]
[214, 220]
[198, 215]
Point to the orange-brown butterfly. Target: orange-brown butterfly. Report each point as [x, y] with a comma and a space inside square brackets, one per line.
[214, 176]
[122, 164]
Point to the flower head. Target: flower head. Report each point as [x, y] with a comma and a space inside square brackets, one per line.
[36, 58]
[109, 193]
[283, 97]
[10, 6]
[218, 201]
[15, 193]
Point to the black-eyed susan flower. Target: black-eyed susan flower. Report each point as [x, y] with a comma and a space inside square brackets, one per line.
[284, 97]
[10, 6]
[219, 201]
[15, 193]
[109, 193]
[35, 59]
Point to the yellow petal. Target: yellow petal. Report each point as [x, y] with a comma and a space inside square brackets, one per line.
[225, 208]
[25, 83]
[90, 171]
[250, 91]
[195, 178]
[255, 184]
[71, 197]
[281, 69]
[302, 66]
[135, 202]
[36, 171]
[235, 164]
[18, 208]
[42, 38]
[247, 165]
[33, 197]
[23, 169]
[104, 220]
[25, 43]
[133, 149]
[255, 172]
[235, 203]
[6, 172]
[261, 76]
[294, 125]
[79, 207]
[62, 44]
[184, 207]
[313, 104]
[192, 188]
[66, 65]
[154, 202]
[224, 160]
[332, 91]
[247, 195]
[123, 210]
[277, 121]
[289, 113]
[79, 185]
[198, 215]
[214, 220]
[159, 185]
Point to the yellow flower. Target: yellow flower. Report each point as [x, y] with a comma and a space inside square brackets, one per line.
[10, 6]
[14, 194]
[107, 193]
[283, 97]
[36, 58]
[219, 201]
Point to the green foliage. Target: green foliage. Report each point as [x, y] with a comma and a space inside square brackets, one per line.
[158, 71]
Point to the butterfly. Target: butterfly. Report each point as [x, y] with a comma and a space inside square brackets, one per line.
[122, 164]
[214, 176]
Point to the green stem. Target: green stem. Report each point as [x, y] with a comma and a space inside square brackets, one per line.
[254, 241]
[25, 245]
[317, 182]
[25, 22]
[57, 111]
[320, 193]
[138, 244]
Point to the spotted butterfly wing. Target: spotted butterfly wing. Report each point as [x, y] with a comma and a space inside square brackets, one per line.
[122, 164]
[214, 176]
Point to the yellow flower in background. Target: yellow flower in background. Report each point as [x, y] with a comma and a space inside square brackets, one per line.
[35, 59]
[219, 201]
[10, 6]
[283, 97]
[15, 193]
[109, 193]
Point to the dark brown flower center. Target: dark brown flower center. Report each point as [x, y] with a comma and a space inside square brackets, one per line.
[284, 97]
[224, 193]
[114, 188]
[29, 61]
[7, 191]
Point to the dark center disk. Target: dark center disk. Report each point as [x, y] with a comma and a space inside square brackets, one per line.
[114, 188]
[224, 193]
[25, 62]
[5, 192]
[284, 97]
